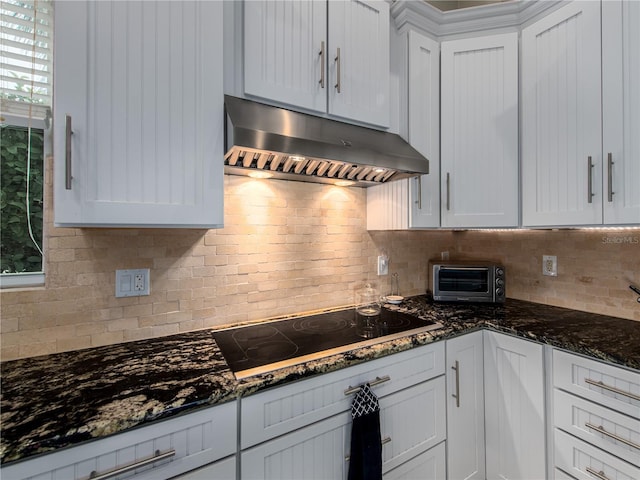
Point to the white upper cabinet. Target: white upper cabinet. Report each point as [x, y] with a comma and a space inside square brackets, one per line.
[326, 57]
[424, 128]
[581, 116]
[621, 111]
[141, 83]
[479, 132]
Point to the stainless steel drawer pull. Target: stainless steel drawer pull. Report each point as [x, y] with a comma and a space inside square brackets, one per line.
[456, 367]
[448, 191]
[68, 131]
[382, 442]
[610, 191]
[590, 193]
[599, 474]
[132, 466]
[322, 63]
[372, 383]
[601, 430]
[598, 383]
[337, 60]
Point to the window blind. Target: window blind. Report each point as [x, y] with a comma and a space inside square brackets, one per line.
[26, 54]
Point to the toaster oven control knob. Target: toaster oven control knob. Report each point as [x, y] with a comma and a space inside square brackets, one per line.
[499, 292]
[499, 282]
[499, 272]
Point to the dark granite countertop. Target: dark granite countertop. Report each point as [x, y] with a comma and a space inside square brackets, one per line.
[59, 400]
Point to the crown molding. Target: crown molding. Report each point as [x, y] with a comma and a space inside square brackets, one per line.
[512, 14]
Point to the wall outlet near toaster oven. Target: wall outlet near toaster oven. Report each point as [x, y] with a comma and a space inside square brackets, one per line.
[383, 265]
[550, 265]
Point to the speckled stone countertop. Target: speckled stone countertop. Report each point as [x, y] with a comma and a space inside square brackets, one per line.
[59, 400]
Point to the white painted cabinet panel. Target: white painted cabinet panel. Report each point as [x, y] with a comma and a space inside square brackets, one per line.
[429, 465]
[414, 420]
[621, 111]
[424, 128]
[283, 52]
[388, 206]
[327, 57]
[514, 408]
[145, 101]
[479, 125]
[221, 470]
[585, 462]
[317, 451]
[197, 439]
[358, 56]
[465, 407]
[580, 122]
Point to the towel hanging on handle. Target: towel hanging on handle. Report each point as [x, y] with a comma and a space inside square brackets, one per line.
[366, 448]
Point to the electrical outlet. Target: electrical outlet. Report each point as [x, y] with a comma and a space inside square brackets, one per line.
[550, 265]
[132, 283]
[383, 265]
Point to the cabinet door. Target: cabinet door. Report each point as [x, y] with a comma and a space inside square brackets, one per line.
[358, 59]
[561, 118]
[465, 407]
[514, 408]
[221, 470]
[479, 122]
[412, 421]
[429, 465]
[424, 128]
[317, 451]
[142, 84]
[285, 49]
[621, 111]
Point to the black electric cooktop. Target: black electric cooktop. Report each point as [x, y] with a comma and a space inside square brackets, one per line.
[264, 347]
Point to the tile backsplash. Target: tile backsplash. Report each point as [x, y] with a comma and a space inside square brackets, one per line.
[286, 247]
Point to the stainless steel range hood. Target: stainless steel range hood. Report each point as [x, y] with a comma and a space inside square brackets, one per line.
[265, 141]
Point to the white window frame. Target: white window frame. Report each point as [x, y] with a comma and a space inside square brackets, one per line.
[29, 279]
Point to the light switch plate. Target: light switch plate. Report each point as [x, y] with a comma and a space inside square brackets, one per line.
[132, 283]
[550, 265]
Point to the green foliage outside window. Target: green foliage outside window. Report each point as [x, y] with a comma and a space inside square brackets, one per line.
[18, 253]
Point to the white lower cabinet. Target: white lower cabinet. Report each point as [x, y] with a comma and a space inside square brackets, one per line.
[596, 418]
[181, 444]
[220, 470]
[514, 408]
[303, 430]
[465, 407]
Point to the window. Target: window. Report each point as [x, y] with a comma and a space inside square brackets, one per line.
[25, 97]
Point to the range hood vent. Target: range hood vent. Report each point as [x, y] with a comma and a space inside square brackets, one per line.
[266, 141]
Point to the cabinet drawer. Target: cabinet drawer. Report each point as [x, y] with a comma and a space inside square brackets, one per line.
[586, 462]
[429, 465]
[278, 411]
[413, 420]
[560, 475]
[197, 438]
[620, 434]
[607, 385]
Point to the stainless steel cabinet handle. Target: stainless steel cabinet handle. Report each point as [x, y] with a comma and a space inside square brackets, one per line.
[419, 193]
[372, 383]
[448, 191]
[599, 474]
[67, 146]
[382, 442]
[600, 429]
[610, 191]
[127, 468]
[612, 389]
[456, 367]
[322, 64]
[337, 59]
[590, 193]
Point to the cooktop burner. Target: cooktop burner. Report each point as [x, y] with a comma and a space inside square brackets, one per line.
[265, 347]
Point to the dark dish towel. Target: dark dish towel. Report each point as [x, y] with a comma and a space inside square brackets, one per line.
[366, 450]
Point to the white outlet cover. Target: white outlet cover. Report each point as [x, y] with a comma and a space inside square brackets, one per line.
[383, 265]
[550, 265]
[132, 283]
